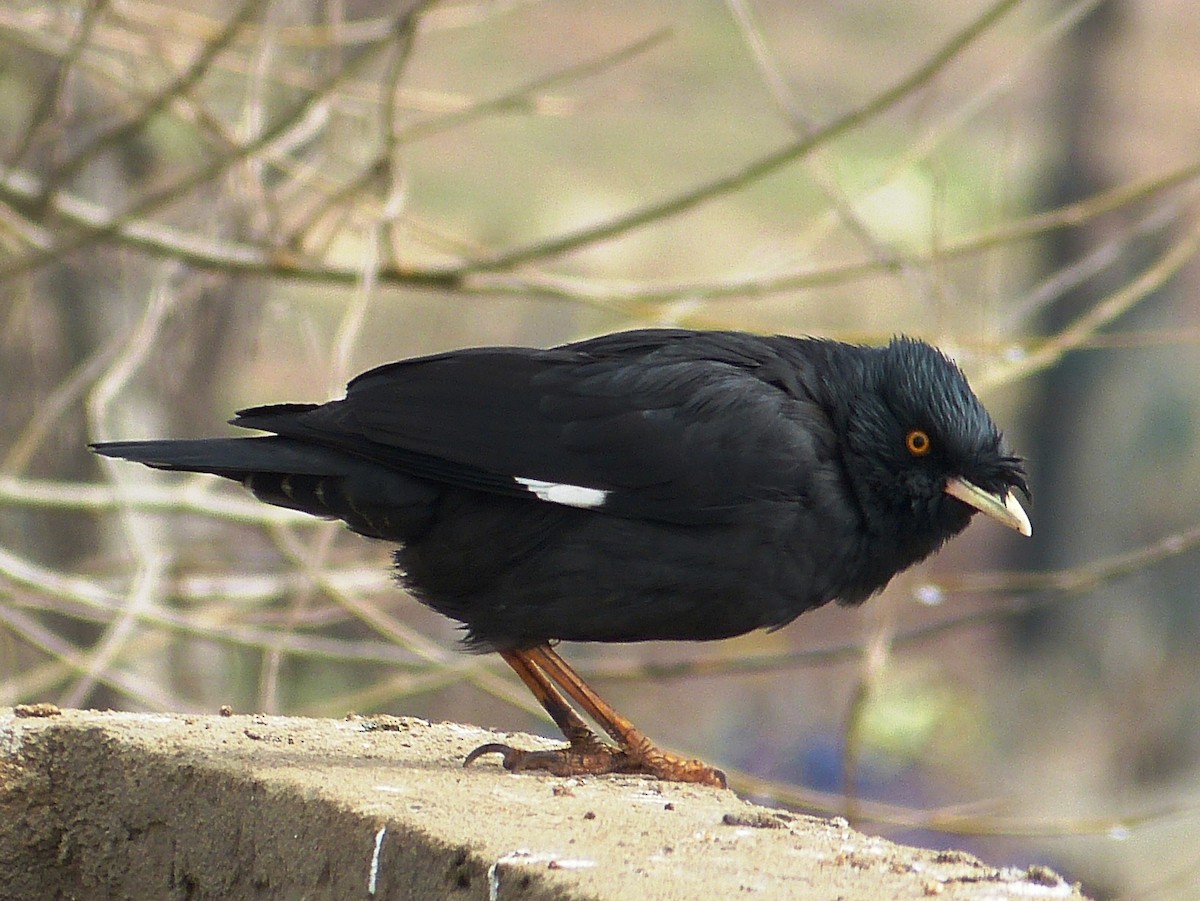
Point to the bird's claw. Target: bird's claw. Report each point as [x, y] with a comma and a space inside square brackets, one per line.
[594, 758]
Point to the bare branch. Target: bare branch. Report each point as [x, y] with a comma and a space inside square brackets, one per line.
[656, 212]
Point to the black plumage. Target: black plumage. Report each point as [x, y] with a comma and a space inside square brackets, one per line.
[656, 484]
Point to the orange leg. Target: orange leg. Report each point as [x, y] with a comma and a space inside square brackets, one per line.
[541, 668]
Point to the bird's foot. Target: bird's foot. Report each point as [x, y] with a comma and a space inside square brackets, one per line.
[591, 757]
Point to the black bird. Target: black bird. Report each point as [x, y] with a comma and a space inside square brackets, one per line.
[645, 485]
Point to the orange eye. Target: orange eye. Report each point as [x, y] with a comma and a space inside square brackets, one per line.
[918, 443]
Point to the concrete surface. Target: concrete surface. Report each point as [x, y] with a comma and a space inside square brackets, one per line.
[98, 805]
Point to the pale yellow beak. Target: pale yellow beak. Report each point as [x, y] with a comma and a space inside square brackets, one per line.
[1006, 510]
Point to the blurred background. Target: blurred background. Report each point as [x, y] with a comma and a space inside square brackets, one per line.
[205, 206]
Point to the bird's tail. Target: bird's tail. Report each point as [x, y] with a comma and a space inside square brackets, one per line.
[371, 499]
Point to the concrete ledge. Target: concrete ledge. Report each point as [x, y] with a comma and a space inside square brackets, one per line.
[115, 805]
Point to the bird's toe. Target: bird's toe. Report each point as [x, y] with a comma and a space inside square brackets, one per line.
[594, 758]
[578, 759]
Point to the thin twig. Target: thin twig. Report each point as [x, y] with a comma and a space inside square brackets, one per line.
[523, 98]
[952, 821]
[142, 691]
[209, 51]
[1099, 315]
[108, 224]
[52, 93]
[747, 175]
[145, 540]
[194, 496]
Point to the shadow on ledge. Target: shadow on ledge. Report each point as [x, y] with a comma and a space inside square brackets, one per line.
[120, 805]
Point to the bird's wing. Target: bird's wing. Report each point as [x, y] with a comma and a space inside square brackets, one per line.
[642, 426]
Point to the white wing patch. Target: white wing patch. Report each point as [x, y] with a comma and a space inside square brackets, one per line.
[567, 495]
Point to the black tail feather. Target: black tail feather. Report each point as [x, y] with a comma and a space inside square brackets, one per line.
[371, 499]
[231, 457]
[267, 416]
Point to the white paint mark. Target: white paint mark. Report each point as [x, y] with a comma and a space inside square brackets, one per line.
[1009, 890]
[567, 495]
[374, 876]
[493, 882]
[1010, 883]
[647, 796]
[524, 855]
[570, 863]
[1033, 890]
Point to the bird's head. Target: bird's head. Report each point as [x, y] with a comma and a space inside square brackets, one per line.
[925, 455]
